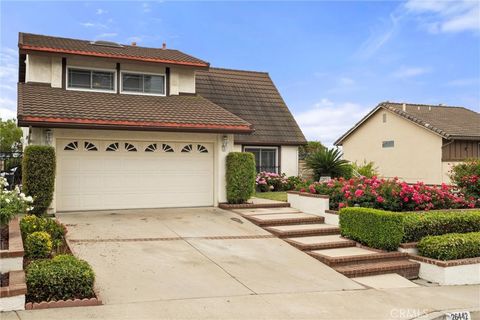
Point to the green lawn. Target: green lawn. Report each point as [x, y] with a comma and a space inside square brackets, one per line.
[279, 196]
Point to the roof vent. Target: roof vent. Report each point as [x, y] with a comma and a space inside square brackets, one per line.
[164, 46]
[404, 107]
[106, 44]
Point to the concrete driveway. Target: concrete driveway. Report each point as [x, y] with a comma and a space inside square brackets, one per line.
[165, 254]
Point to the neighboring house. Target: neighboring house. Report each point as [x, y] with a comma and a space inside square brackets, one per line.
[137, 127]
[414, 142]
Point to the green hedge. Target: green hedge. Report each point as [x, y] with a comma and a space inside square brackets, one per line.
[240, 176]
[372, 227]
[38, 245]
[63, 277]
[450, 246]
[419, 225]
[39, 176]
[31, 223]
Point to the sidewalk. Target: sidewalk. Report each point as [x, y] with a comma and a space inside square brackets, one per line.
[405, 303]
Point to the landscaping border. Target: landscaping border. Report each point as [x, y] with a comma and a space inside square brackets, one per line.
[87, 302]
[451, 272]
[12, 258]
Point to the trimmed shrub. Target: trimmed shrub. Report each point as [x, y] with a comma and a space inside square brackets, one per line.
[240, 176]
[39, 176]
[38, 245]
[451, 246]
[419, 225]
[374, 228]
[31, 223]
[63, 277]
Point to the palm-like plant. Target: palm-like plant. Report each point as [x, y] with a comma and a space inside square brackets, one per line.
[329, 162]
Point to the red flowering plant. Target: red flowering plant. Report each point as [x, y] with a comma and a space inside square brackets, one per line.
[389, 194]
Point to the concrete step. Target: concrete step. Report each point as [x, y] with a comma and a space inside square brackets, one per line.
[303, 230]
[280, 219]
[320, 242]
[261, 211]
[355, 256]
[403, 267]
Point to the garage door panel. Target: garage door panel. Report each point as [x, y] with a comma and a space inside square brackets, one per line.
[92, 180]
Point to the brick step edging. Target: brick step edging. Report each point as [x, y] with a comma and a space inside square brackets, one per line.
[356, 259]
[321, 246]
[303, 233]
[407, 270]
[228, 206]
[289, 221]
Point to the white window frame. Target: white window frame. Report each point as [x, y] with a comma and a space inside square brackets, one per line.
[144, 73]
[92, 69]
[265, 147]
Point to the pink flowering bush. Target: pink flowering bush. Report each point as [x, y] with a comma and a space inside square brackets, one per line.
[389, 194]
[466, 176]
[270, 181]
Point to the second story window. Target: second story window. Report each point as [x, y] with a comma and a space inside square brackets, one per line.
[143, 83]
[84, 79]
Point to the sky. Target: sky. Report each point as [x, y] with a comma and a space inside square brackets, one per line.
[331, 61]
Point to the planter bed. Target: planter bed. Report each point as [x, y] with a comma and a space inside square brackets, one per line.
[12, 258]
[309, 203]
[408, 247]
[450, 272]
[12, 294]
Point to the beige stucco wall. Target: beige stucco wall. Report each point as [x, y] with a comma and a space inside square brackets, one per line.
[416, 155]
[48, 69]
[37, 136]
[289, 160]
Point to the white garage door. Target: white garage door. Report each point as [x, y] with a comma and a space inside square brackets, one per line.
[95, 175]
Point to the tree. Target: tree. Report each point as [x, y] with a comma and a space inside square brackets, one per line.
[10, 136]
[329, 162]
[309, 148]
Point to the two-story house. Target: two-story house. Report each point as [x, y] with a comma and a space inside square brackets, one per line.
[414, 142]
[137, 127]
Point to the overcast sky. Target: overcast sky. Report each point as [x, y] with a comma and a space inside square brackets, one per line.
[331, 61]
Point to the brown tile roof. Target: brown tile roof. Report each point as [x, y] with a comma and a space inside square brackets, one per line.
[28, 41]
[55, 107]
[253, 97]
[447, 121]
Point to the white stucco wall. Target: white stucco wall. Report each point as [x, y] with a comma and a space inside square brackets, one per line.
[289, 160]
[38, 137]
[237, 148]
[416, 155]
[186, 82]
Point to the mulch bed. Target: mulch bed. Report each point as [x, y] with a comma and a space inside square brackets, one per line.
[4, 280]
[4, 237]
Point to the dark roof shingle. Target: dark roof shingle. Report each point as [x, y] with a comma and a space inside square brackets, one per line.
[253, 97]
[47, 105]
[28, 41]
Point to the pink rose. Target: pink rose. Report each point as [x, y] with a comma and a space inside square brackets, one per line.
[359, 193]
[380, 199]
